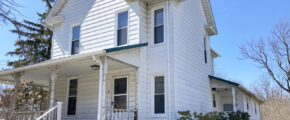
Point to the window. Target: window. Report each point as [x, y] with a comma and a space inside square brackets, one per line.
[247, 103]
[158, 26]
[205, 50]
[255, 108]
[75, 40]
[72, 97]
[122, 33]
[228, 107]
[214, 101]
[159, 96]
[120, 93]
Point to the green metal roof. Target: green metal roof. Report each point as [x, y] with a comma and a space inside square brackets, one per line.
[109, 50]
[223, 80]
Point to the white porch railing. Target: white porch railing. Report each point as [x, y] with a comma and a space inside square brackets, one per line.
[120, 114]
[53, 113]
[20, 115]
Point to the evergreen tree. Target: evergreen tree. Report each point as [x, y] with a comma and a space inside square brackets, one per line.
[34, 40]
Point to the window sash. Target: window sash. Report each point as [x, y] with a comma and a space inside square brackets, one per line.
[117, 94]
[159, 95]
[158, 26]
[122, 36]
[71, 108]
[122, 31]
[205, 50]
[75, 47]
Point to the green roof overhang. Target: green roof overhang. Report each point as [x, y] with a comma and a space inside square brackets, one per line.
[109, 50]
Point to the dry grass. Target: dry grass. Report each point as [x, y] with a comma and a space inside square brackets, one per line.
[276, 110]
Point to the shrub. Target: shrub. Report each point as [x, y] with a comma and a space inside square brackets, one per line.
[187, 115]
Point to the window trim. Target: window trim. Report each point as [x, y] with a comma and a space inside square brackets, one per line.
[152, 26]
[116, 26]
[158, 115]
[113, 90]
[71, 38]
[67, 97]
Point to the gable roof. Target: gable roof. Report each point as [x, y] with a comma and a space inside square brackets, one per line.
[57, 7]
[59, 4]
[211, 27]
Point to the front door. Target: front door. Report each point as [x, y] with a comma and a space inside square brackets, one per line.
[120, 93]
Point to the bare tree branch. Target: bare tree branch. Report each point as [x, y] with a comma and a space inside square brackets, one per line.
[273, 54]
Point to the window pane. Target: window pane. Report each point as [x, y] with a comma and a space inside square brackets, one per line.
[76, 33]
[120, 102]
[120, 86]
[158, 34]
[123, 19]
[72, 101]
[159, 84]
[73, 87]
[228, 107]
[159, 104]
[75, 47]
[122, 36]
[159, 17]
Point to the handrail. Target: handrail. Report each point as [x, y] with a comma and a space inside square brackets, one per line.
[58, 114]
[46, 113]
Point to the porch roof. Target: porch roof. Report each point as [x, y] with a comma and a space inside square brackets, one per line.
[237, 85]
[40, 70]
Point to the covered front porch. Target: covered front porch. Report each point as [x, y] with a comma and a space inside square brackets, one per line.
[87, 86]
[227, 96]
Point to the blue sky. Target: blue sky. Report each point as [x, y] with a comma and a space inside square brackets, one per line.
[237, 21]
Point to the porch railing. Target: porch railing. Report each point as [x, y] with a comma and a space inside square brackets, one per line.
[20, 115]
[53, 113]
[120, 114]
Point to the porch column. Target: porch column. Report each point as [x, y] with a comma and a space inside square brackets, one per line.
[102, 85]
[17, 78]
[234, 99]
[54, 69]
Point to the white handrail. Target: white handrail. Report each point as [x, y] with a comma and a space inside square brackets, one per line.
[57, 107]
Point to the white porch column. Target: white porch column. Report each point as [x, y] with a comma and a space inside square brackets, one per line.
[54, 69]
[234, 99]
[17, 78]
[102, 86]
[53, 78]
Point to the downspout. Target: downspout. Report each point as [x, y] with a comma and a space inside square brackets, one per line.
[100, 86]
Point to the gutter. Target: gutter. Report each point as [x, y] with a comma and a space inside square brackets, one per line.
[51, 62]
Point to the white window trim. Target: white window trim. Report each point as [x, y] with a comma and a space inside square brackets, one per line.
[116, 27]
[127, 91]
[152, 26]
[153, 114]
[67, 95]
[71, 40]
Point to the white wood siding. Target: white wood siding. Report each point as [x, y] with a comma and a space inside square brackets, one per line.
[87, 97]
[87, 93]
[98, 25]
[192, 85]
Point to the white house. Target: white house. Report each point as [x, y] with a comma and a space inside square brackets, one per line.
[133, 59]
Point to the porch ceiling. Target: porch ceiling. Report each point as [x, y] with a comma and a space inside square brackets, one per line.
[42, 75]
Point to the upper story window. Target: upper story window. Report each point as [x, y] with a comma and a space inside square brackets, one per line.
[122, 35]
[205, 49]
[158, 26]
[159, 95]
[75, 40]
